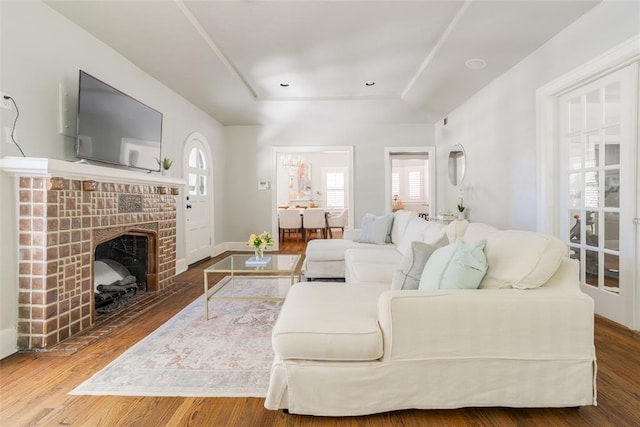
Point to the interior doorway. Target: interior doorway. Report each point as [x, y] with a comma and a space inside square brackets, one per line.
[311, 176]
[410, 179]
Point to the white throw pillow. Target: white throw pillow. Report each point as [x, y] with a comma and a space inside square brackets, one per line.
[517, 258]
[414, 232]
[460, 265]
[374, 229]
[400, 221]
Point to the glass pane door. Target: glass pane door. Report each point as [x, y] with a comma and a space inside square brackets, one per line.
[596, 132]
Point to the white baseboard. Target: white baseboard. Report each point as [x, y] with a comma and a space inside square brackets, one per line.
[240, 247]
[8, 342]
[181, 265]
[218, 249]
[237, 246]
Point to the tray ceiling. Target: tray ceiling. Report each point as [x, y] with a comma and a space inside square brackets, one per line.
[259, 62]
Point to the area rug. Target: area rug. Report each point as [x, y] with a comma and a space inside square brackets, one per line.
[229, 355]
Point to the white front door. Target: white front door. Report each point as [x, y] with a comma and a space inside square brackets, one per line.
[198, 200]
[597, 131]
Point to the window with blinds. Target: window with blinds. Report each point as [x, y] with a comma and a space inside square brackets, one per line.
[408, 181]
[335, 190]
[414, 179]
[395, 184]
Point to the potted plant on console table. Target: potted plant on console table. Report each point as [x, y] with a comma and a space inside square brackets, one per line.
[461, 205]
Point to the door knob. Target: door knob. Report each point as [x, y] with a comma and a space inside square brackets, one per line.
[188, 206]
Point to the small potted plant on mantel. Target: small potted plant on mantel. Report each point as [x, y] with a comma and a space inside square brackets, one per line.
[165, 165]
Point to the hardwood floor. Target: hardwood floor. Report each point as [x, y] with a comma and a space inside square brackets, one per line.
[34, 386]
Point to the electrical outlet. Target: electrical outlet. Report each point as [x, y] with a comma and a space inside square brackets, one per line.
[5, 103]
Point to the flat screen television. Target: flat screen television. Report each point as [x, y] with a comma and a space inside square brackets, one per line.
[116, 128]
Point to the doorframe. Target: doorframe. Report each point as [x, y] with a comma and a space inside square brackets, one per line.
[276, 150]
[430, 151]
[547, 143]
[197, 136]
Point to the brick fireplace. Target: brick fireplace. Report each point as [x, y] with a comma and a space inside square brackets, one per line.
[61, 220]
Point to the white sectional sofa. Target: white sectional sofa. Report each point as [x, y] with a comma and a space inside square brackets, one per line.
[325, 258]
[524, 338]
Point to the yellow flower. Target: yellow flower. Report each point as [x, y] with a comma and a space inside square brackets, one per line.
[263, 240]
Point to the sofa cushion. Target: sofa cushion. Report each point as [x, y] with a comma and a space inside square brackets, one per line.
[375, 229]
[329, 321]
[420, 230]
[414, 232]
[434, 233]
[518, 259]
[479, 231]
[329, 249]
[412, 265]
[455, 230]
[460, 265]
[401, 219]
[375, 264]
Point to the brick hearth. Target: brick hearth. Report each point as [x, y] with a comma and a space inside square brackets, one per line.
[61, 221]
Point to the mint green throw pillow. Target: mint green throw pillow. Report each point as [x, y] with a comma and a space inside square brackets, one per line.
[460, 265]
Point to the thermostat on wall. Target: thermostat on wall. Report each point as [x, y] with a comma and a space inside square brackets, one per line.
[263, 185]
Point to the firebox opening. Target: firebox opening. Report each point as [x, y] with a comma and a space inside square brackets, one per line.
[120, 271]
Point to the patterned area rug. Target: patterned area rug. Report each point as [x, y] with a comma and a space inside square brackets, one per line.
[229, 355]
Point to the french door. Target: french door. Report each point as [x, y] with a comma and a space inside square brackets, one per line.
[598, 195]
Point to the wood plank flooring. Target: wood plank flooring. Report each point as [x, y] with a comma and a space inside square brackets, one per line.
[34, 386]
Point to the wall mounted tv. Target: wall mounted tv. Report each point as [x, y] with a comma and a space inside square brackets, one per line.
[116, 128]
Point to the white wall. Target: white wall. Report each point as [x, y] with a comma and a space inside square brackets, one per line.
[497, 126]
[40, 50]
[249, 161]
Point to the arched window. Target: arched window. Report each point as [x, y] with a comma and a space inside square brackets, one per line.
[197, 173]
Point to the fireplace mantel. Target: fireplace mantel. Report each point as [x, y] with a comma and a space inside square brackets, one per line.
[42, 167]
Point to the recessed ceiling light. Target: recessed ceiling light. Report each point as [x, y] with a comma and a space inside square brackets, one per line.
[284, 84]
[369, 83]
[475, 63]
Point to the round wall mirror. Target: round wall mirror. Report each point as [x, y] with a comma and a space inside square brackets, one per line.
[457, 164]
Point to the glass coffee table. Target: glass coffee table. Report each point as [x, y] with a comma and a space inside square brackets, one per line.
[237, 264]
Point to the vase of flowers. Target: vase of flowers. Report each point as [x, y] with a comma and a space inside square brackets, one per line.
[260, 242]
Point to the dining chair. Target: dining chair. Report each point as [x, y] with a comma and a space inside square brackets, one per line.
[289, 220]
[337, 220]
[314, 219]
